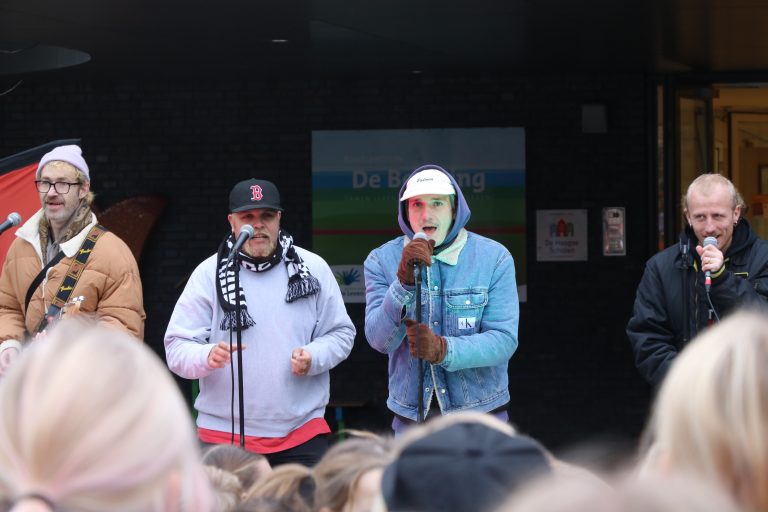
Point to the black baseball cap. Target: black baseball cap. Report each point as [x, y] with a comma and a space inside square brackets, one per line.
[253, 193]
[466, 467]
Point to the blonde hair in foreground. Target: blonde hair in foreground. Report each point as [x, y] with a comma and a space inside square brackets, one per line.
[711, 416]
[91, 420]
[339, 472]
[651, 493]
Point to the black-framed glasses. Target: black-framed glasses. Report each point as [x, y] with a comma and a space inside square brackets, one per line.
[62, 187]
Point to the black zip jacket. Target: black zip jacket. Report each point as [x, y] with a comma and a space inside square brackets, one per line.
[672, 288]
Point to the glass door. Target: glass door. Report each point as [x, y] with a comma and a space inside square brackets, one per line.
[686, 133]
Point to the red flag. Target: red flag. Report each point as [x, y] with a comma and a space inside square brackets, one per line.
[17, 194]
[17, 187]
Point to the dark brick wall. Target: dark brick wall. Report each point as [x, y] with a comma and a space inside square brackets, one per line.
[572, 378]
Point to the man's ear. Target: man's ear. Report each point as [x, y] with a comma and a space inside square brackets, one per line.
[737, 212]
[231, 225]
[85, 187]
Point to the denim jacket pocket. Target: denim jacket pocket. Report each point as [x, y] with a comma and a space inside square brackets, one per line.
[464, 310]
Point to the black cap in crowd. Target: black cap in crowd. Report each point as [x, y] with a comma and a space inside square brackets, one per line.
[253, 193]
[466, 467]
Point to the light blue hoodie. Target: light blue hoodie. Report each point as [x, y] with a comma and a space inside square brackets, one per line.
[469, 297]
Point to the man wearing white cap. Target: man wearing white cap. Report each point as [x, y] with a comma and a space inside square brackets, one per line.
[468, 327]
[62, 255]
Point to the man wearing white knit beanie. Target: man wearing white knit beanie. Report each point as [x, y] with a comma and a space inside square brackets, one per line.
[51, 245]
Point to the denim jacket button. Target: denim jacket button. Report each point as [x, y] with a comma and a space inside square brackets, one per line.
[437, 323]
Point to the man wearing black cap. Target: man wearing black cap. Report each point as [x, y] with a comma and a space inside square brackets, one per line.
[294, 325]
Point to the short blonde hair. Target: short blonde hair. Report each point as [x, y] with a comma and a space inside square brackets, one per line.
[344, 464]
[291, 484]
[710, 418]
[227, 488]
[91, 419]
[651, 493]
[248, 467]
[706, 182]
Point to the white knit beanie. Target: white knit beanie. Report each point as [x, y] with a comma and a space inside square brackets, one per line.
[71, 154]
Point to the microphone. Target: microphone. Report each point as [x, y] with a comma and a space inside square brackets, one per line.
[246, 233]
[14, 219]
[710, 240]
[419, 236]
[416, 265]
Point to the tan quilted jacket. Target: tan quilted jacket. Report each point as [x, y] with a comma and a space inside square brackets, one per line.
[110, 282]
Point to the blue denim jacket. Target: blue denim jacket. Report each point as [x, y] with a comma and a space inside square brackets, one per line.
[473, 304]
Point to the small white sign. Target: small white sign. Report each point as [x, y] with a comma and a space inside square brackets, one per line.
[561, 235]
[351, 282]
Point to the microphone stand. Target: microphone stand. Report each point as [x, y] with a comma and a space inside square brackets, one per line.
[420, 407]
[239, 336]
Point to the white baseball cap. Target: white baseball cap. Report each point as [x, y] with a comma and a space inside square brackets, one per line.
[428, 181]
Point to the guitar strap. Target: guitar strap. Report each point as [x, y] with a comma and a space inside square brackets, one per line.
[73, 276]
[39, 279]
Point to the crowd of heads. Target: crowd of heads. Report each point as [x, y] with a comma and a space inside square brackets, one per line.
[90, 420]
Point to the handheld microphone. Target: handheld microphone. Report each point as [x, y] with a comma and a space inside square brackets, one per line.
[419, 236]
[246, 233]
[710, 240]
[416, 265]
[14, 219]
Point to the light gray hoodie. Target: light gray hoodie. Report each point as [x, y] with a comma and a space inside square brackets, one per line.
[276, 401]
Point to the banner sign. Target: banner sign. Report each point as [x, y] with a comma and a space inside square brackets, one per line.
[356, 177]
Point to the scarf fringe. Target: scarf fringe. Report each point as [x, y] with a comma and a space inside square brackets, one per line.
[298, 287]
[230, 320]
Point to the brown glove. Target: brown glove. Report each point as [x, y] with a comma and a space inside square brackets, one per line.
[418, 250]
[423, 343]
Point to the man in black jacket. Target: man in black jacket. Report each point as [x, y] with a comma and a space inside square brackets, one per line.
[673, 303]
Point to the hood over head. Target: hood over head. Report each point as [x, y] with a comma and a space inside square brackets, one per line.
[462, 212]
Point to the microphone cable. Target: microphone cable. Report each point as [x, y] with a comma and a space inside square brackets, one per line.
[710, 240]
[712, 306]
[232, 393]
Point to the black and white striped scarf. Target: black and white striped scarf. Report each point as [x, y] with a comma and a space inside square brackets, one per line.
[300, 282]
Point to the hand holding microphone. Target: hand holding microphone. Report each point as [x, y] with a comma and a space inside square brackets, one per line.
[711, 259]
[417, 252]
[246, 233]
